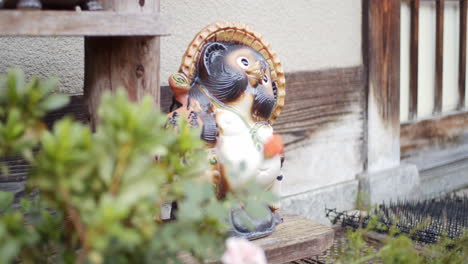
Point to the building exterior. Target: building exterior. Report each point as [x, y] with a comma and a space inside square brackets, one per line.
[346, 127]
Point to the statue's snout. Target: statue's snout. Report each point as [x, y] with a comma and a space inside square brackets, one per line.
[255, 73]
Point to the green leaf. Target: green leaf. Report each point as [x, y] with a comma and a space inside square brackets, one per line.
[16, 84]
[256, 209]
[6, 199]
[48, 86]
[54, 101]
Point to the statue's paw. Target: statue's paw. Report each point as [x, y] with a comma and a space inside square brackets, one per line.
[93, 6]
[258, 227]
[29, 4]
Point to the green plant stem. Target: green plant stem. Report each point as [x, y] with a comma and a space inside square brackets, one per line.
[78, 225]
[122, 161]
[75, 218]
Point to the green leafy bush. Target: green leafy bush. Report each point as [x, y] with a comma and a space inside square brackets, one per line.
[101, 193]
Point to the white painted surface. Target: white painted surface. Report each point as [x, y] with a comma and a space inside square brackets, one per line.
[426, 76]
[405, 19]
[331, 156]
[383, 141]
[451, 53]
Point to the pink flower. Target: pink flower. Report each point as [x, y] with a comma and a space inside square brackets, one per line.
[242, 251]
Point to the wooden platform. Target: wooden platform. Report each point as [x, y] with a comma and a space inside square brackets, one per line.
[81, 23]
[296, 238]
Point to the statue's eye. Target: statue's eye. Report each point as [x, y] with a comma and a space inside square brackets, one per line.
[265, 79]
[243, 62]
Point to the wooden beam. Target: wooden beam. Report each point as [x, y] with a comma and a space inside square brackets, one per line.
[462, 56]
[383, 123]
[71, 23]
[135, 6]
[414, 60]
[439, 56]
[417, 137]
[384, 58]
[131, 63]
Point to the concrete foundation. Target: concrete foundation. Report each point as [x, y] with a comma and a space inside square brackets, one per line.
[312, 204]
[442, 171]
[393, 184]
[444, 179]
[402, 182]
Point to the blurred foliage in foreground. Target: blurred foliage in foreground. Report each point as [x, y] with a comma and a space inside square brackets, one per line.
[101, 193]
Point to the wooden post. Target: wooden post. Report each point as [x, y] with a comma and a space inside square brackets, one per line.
[439, 57]
[414, 57]
[128, 62]
[462, 56]
[383, 64]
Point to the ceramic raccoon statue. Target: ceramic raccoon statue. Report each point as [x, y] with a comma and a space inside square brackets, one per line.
[231, 85]
[91, 5]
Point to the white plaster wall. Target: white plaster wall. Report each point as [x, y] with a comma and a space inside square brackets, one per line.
[307, 35]
[426, 76]
[59, 57]
[405, 17]
[332, 156]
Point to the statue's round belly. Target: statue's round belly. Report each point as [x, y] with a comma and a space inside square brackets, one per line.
[241, 155]
[268, 172]
[240, 158]
[243, 162]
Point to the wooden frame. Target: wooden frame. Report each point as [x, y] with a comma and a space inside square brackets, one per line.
[414, 57]
[381, 40]
[383, 58]
[134, 28]
[439, 56]
[442, 130]
[128, 62]
[462, 55]
[71, 23]
[121, 44]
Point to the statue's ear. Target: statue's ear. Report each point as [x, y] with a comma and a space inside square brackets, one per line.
[210, 51]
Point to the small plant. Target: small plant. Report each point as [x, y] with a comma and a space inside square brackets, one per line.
[397, 247]
[22, 107]
[101, 193]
